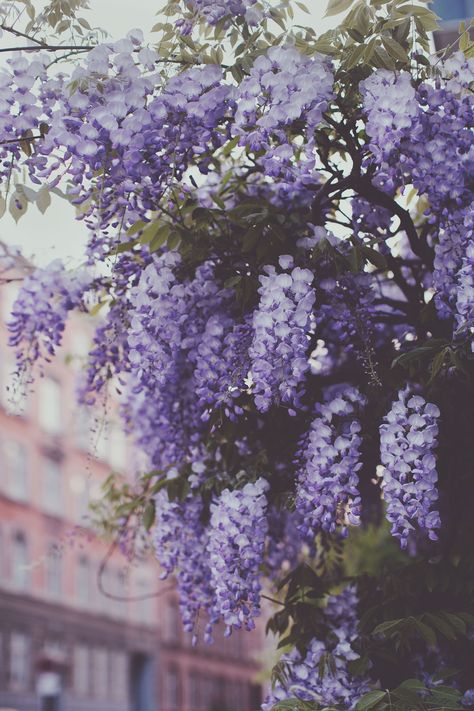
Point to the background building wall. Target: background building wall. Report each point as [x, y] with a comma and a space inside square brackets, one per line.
[129, 655]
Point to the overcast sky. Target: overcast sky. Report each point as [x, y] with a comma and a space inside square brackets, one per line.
[57, 233]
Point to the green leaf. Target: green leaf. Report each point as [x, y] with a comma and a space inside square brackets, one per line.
[457, 622]
[440, 624]
[337, 6]
[389, 627]
[149, 515]
[370, 700]
[395, 50]
[18, 206]
[427, 633]
[173, 240]
[43, 200]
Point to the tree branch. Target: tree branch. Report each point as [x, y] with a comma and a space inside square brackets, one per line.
[49, 48]
[364, 187]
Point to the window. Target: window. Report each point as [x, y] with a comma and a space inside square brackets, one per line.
[16, 467]
[83, 591]
[81, 671]
[172, 689]
[81, 488]
[49, 405]
[118, 680]
[20, 561]
[13, 394]
[19, 662]
[117, 448]
[100, 676]
[83, 425]
[195, 691]
[53, 571]
[52, 486]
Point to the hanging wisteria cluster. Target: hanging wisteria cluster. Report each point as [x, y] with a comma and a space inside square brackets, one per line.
[327, 494]
[309, 678]
[283, 229]
[408, 439]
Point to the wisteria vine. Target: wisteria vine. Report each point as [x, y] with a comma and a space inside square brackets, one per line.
[281, 255]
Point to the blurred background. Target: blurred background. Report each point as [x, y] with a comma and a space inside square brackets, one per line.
[66, 644]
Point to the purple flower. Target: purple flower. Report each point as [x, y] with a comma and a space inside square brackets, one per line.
[281, 325]
[327, 495]
[237, 535]
[408, 439]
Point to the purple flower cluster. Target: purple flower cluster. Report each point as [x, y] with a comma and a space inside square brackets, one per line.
[425, 137]
[392, 108]
[310, 677]
[327, 496]
[158, 307]
[117, 121]
[408, 439]
[40, 311]
[281, 324]
[349, 311]
[237, 535]
[284, 86]
[215, 11]
[181, 542]
[222, 364]
[284, 545]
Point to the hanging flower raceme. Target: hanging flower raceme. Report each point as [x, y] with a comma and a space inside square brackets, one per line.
[40, 311]
[281, 324]
[327, 496]
[310, 677]
[284, 86]
[158, 307]
[181, 541]
[224, 11]
[425, 137]
[408, 439]
[222, 364]
[238, 529]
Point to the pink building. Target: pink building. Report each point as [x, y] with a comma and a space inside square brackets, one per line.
[120, 655]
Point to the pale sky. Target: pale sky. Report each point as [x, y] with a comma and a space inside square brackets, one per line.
[57, 233]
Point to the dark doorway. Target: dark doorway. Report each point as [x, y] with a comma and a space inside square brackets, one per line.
[142, 683]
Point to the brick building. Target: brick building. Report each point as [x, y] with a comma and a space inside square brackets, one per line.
[120, 655]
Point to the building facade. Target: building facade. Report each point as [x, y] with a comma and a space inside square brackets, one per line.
[451, 13]
[125, 654]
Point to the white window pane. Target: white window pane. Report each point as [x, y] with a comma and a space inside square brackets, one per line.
[19, 661]
[49, 405]
[80, 485]
[19, 560]
[53, 571]
[16, 469]
[100, 674]
[13, 393]
[172, 689]
[118, 682]
[81, 671]
[52, 487]
[83, 582]
[117, 449]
